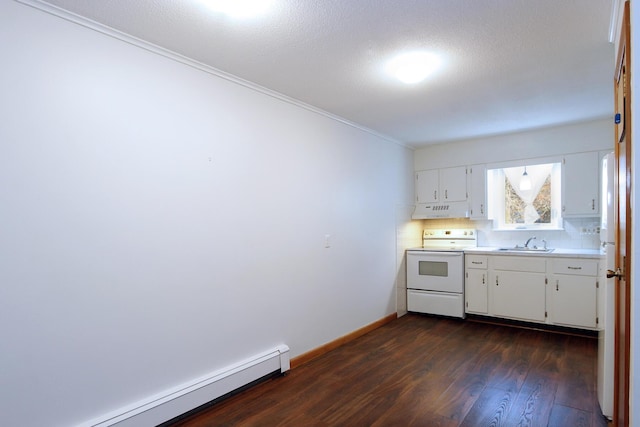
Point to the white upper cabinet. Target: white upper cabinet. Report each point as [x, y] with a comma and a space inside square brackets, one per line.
[581, 185]
[427, 186]
[477, 185]
[453, 184]
[441, 185]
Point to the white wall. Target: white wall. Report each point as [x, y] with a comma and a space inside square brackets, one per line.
[593, 135]
[159, 222]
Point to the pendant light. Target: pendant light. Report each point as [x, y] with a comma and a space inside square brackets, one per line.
[525, 181]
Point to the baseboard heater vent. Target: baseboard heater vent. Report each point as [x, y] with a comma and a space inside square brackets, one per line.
[186, 397]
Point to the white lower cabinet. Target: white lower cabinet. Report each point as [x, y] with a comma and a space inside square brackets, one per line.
[553, 290]
[475, 284]
[517, 288]
[572, 293]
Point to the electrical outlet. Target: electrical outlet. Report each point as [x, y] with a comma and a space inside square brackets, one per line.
[592, 229]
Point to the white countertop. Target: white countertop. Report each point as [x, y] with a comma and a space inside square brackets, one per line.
[566, 253]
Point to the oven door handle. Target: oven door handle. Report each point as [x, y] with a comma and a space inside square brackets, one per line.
[432, 254]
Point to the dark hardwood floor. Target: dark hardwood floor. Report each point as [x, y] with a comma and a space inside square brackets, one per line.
[428, 371]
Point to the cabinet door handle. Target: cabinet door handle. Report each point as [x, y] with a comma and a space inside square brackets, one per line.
[557, 286]
[435, 194]
[574, 268]
[446, 194]
[482, 208]
[593, 204]
[483, 279]
[496, 280]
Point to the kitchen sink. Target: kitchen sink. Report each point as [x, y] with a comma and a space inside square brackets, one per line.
[523, 249]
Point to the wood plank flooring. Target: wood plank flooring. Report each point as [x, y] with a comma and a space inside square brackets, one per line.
[428, 371]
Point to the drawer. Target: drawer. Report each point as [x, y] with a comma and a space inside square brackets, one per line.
[476, 261]
[519, 263]
[576, 267]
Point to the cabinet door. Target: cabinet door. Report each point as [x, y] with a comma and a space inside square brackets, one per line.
[453, 184]
[573, 301]
[427, 186]
[580, 182]
[476, 291]
[477, 185]
[518, 295]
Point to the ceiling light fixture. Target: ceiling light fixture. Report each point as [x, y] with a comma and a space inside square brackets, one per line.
[413, 67]
[239, 8]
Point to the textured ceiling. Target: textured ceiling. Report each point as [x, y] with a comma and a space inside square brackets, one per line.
[509, 65]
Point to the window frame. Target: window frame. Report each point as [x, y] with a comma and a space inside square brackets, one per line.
[496, 195]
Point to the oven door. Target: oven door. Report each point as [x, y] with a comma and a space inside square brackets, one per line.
[435, 271]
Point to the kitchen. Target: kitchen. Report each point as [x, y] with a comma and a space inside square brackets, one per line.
[553, 253]
[578, 232]
[570, 246]
[141, 191]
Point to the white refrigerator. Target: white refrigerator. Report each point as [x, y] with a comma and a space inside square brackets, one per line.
[606, 297]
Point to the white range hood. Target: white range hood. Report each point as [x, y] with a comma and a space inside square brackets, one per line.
[441, 210]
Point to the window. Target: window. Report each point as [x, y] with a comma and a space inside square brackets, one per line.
[525, 197]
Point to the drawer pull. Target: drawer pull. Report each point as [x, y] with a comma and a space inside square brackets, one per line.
[476, 262]
[574, 268]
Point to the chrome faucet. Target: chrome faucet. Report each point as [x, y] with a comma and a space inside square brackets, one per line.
[526, 245]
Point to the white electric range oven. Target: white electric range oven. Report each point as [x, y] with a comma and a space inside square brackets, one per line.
[435, 272]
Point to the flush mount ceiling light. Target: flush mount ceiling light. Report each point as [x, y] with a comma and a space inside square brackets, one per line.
[413, 67]
[239, 8]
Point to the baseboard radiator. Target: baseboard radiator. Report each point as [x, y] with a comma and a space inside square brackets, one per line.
[186, 397]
